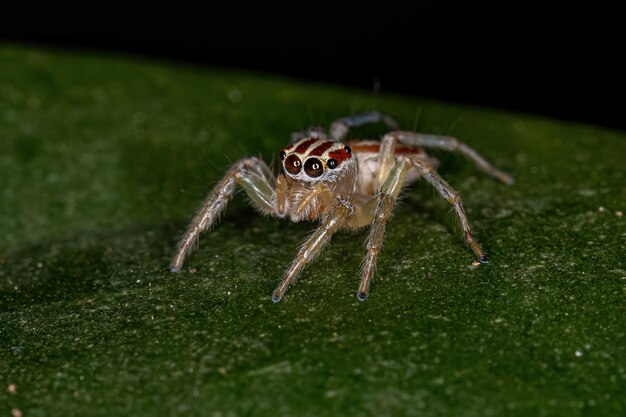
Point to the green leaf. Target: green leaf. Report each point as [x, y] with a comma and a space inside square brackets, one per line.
[104, 160]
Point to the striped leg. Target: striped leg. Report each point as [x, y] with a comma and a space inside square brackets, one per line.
[254, 176]
[314, 245]
[340, 127]
[454, 145]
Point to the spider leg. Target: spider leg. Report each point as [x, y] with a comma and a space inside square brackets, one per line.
[384, 203]
[374, 241]
[282, 196]
[386, 157]
[314, 245]
[431, 176]
[254, 176]
[315, 132]
[454, 145]
[340, 127]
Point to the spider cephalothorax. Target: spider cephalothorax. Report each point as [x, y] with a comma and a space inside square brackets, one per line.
[315, 159]
[344, 185]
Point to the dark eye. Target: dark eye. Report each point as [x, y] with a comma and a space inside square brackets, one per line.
[313, 167]
[348, 150]
[293, 164]
[282, 155]
[332, 163]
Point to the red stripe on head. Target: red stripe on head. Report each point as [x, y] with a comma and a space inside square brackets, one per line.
[305, 145]
[319, 150]
[341, 155]
[373, 148]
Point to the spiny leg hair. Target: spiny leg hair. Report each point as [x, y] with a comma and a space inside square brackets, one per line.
[314, 245]
[254, 176]
[431, 176]
[386, 200]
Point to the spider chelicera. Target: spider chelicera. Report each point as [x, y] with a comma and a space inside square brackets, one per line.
[344, 185]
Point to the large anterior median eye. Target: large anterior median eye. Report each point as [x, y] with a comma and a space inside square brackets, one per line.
[313, 167]
[293, 165]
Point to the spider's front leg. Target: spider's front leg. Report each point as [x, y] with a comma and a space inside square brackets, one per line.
[314, 245]
[377, 212]
[255, 177]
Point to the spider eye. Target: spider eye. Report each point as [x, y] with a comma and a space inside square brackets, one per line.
[293, 165]
[313, 167]
[348, 150]
[332, 163]
[282, 155]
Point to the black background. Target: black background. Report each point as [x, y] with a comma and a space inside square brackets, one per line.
[562, 61]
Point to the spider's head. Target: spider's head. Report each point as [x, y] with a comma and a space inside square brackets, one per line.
[315, 160]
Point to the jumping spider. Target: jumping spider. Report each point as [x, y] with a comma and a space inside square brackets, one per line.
[345, 185]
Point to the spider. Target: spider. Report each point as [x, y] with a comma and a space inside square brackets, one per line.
[345, 185]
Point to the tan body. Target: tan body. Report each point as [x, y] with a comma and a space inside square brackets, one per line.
[307, 201]
[345, 185]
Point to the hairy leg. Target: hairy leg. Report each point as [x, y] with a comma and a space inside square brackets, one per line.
[252, 175]
[281, 196]
[315, 132]
[454, 145]
[433, 178]
[314, 245]
[386, 182]
[374, 243]
[340, 127]
[307, 205]
[385, 201]
[386, 158]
